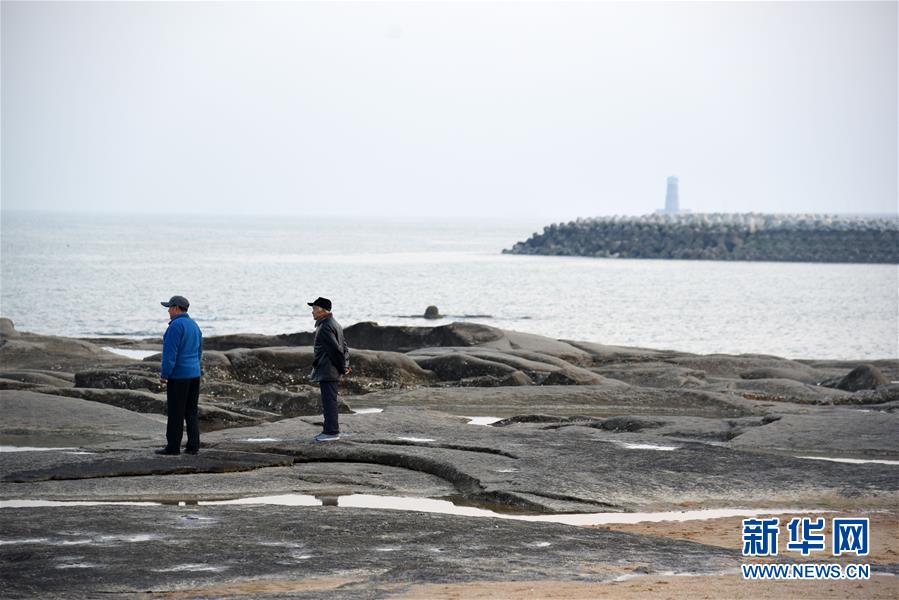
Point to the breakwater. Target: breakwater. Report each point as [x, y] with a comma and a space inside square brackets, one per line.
[717, 236]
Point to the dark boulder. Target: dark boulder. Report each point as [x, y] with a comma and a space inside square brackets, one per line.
[629, 423]
[371, 336]
[283, 366]
[118, 379]
[572, 376]
[432, 312]
[863, 377]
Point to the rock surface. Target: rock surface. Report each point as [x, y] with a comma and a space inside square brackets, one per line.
[588, 428]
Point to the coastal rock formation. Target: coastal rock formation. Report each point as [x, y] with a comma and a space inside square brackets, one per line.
[800, 238]
[589, 428]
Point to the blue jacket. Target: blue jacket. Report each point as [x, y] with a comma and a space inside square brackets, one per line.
[182, 349]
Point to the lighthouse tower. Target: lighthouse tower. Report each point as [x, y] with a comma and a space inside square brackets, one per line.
[671, 199]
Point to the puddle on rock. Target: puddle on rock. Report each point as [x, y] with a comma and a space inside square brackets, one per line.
[135, 354]
[634, 446]
[415, 439]
[852, 461]
[262, 440]
[51, 503]
[192, 568]
[37, 449]
[430, 505]
[482, 420]
[367, 411]
[78, 566]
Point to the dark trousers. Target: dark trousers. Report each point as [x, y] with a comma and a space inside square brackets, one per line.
[182, 396]
[329, 406]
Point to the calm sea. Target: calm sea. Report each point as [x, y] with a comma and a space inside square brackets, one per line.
[105, 275]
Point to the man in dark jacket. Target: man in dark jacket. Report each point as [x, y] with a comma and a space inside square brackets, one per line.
[182, 350]
[330, 362]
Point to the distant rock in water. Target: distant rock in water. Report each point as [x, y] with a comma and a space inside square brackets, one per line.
[432, 312]
[752, 236]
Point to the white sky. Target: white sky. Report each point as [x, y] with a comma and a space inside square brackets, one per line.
[541, 109]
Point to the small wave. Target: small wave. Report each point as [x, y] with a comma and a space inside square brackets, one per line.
[126, 334]
[443, 317]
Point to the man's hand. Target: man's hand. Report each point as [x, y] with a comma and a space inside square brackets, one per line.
[347, 370]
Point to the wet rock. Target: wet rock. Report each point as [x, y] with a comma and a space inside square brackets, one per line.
[432, 312]
[284, 366]
[882, 396]
[629, 423]
[518, 419]
[572, 376]
[863, 377]
[118, 379]
[323, 551]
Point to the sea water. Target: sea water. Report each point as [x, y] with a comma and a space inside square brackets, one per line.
[104, 275]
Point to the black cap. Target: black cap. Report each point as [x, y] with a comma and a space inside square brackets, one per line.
[177, 301]
[321, 303]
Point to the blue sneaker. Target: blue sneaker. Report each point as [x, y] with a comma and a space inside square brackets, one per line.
[327, 437]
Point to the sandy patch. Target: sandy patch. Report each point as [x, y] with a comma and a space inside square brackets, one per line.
[728, 533]
[709, 587]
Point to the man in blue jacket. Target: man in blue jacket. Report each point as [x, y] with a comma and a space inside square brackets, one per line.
[330, 362]
[182, 349]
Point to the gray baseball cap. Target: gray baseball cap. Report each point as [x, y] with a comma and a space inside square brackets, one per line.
[177, 301]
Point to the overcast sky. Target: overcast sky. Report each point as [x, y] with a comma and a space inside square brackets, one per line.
[550, 110]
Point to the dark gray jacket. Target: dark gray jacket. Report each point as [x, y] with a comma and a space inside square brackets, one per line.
[332, 357]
